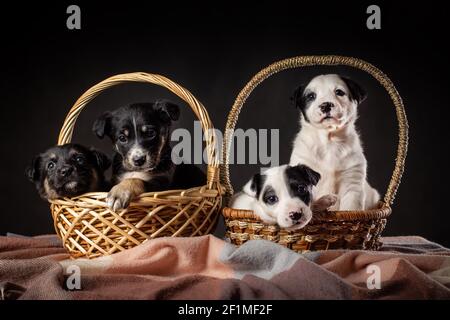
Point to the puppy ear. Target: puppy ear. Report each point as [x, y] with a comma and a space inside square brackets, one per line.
[296, 98]
[168, 110]
[356, 91]
[254, 186]
[101, 159]
[299, 102]
[32, 172]
[102, 125]
[314, 176]
[311, 175]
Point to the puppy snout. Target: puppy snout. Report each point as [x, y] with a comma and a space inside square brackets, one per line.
[139, 160]
[326, 107]
[65, 171]
[295, 215]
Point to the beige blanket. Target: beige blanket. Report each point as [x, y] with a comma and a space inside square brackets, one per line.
[209, 268]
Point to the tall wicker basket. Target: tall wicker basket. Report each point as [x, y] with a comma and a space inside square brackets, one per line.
[88, 228]
[334, 230]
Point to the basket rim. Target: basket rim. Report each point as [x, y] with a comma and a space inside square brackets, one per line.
[189, 194]
[382, 212]
[321, 60]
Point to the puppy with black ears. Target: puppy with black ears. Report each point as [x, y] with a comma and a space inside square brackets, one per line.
[140, 134]
[68, 171]
[283, 195]
[329, 143]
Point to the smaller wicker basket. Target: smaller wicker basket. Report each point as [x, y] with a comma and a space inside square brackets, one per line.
[332, 230]
[88, 228]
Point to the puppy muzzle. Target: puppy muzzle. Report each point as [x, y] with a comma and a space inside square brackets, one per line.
[68, 185]
[140, 162]
[296, 219]
[64, 176]
[326, 107]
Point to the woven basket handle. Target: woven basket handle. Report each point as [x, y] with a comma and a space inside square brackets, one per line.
[65, 135]
[303, 61]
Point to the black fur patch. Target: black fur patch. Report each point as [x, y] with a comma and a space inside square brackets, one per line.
[257, 183]
[301, 100]
[356, 91]
[300, 180]
[268, 192]
[169, 111]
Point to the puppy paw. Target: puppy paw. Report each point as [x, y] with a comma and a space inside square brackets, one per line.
[325, 203]
[119, 198]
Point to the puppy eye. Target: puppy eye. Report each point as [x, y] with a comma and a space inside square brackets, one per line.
[271, 200]
[122, 138]
[50, 165]
[310, 96]
[79, 159]
[302, 189]
[339, 93]
[150, 133]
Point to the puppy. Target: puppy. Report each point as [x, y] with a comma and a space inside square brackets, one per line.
[282, 195]
[142, 162]
[328, 142]
[68, 171]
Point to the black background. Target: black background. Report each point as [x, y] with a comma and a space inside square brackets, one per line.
[213, 50]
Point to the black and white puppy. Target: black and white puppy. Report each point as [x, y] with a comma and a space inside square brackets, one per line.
[329, 143]
[68, 171]
[283, 195]
[142, 162]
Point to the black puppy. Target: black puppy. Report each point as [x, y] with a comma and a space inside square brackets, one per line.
[142, 162]
[68, 171]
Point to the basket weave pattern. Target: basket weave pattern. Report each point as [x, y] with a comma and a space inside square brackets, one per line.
[88, 228]
[332, 230]
[322, 233]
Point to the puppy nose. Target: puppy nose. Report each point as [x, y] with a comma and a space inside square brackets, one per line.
[65, 171]
[326, 107]
[295, 215]
[139, 160]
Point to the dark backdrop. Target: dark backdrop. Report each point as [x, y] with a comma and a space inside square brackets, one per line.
[213, 50]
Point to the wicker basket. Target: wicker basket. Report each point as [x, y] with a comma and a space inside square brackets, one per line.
[334, 230]
[88, 228]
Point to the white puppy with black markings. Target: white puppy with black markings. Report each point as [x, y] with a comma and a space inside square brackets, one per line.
[283, 195]
[329, 143]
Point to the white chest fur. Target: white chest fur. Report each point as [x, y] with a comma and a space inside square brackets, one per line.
[335, 156]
